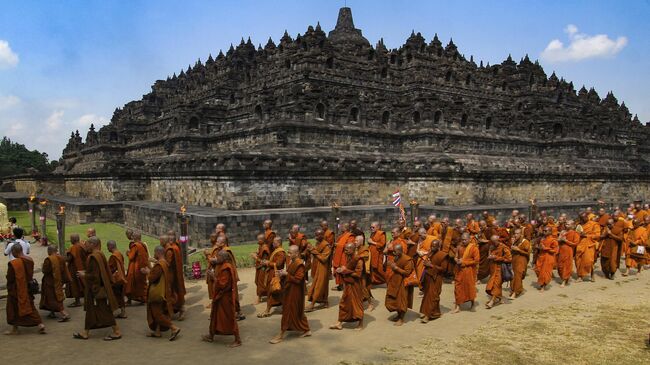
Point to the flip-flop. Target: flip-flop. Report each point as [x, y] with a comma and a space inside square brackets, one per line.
[112, 338]
[78, 336]
[174, 335]
[64, 319]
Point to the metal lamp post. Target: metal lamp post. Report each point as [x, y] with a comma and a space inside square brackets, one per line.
[60, 228]
[43, 219]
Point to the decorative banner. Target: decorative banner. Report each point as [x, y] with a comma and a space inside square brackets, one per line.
[397, 202]
[196, 270]
[183, 239]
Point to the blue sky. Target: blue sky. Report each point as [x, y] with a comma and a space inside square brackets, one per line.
[65, 64]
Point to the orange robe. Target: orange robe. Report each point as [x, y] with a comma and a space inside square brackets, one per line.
[432, 286]
[377, 271]
[223, 319]
[389, 255]
[339, 257]
[301, 241]
[465, 280]
[637, 238]
[136, 281]
[209, 280]
[99, 301]
[159, 311]
[473, 227]
[293, 299]
[435, 230]
[565, 254]
[174, 260]
[351, 303]
[398, 298]
[55, 275]
[501, 255]
[520, 258]
[320, 276]
[423, 250]
[118, 276]
[76, 257]
[586, 249]
[610, 249]
[546, 260]
[21, 310]
[263, 253]
[276, 263]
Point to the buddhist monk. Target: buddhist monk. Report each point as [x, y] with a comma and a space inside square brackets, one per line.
[422, 253]
[611, 242]
[136, 277]
[21, 311]
[351, 303]
[483, 239]
[293, 297]
[174, 260]
[432, 283]
[76, 259]
[339, 256]
[413, 239]
[118, 276]
[223, 316]
[220, 230]
[637, 247]
[548, 248]
[396, 240]
[269, 234]
[55, 275]
[447, 239]
[263, 253]
[435, 227]
[99, 301]
[221, 245]
[467, 260]
[355, 230]
[568, 241]
[319, 290]
[398, 297]
[363, 253]
[160, 297]
[586, 249]
[376, 245]
[328, 234]
[520, 250]
[274, 264]
[472, 226]
[298, 238]
[499, 255]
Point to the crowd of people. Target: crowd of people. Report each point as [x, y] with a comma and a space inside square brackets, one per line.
[297, 280]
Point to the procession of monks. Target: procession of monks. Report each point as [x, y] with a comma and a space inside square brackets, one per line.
[297, 280]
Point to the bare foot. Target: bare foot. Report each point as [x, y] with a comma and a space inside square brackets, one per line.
[563, 284]
[236, 343]
[275, 340]
[398, 323]
[208, 306]
[12, 332]
[207, 338]
[371, 307]
[456, 310]
[306, 334]
[336, 327]
[513, 296]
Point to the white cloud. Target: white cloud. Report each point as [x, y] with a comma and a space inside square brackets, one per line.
[8, 58]
[8, 102]
[87, 119]
[53, 122]
[582, 46]
[14, 129]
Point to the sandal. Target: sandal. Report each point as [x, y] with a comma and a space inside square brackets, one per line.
[64, 319]
[263, 315]
[174, 335]
[78, 336]
[112, 338]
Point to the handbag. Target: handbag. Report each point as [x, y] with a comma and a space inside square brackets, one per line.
[506, 272]
[33, 288]
[157, 291]
[276, 285]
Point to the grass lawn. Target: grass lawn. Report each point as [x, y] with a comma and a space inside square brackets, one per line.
[112, 231]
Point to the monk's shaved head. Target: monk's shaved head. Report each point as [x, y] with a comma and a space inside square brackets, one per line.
[136, 236]
[17, 250]
[111, 245]
[74, 238]
[51, 249]
[294, 251]
[260, 237]
[159, 251]
[398, 250]
[349, 248]
[422, 232]
[90, 232]
[93, 243]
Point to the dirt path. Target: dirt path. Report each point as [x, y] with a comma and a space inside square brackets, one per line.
[379, 342]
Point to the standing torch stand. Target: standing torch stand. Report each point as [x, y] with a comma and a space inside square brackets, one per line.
[43, 219]
[336, 217]
[31, 203]
[60, 229]
[184, 221]
[415, 211]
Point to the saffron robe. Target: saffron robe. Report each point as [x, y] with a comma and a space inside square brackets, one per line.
[99, 301]
[465, 280]
[548, 248]
[293, 298]
[501, 255]
[55, 275]
[21, 310]
[397, 295]
[136, 281]
[319, 289]
[76, 257]
[223, 319]
[520, 258]
[351, 303]
[159, 312]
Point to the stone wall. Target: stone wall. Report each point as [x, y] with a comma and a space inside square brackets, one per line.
[246, 193]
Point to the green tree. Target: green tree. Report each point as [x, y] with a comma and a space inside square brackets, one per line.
[15, 158]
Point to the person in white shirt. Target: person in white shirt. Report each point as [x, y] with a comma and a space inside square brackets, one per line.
[18, 240]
